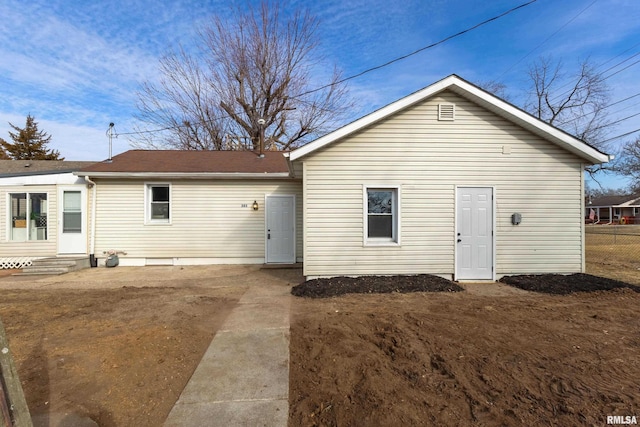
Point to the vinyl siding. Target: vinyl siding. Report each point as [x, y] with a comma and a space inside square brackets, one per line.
[428, 158]
[207, 220]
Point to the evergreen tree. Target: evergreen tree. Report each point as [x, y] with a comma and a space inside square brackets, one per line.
[29, 143]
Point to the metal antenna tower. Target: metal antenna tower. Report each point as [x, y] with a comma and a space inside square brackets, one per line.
[110, 135]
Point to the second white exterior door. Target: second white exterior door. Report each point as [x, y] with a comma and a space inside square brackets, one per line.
[72, 220]
[280, 229]
[474, 233]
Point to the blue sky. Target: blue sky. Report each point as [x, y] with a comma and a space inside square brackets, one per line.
[76, 65]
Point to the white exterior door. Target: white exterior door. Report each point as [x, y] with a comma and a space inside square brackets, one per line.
[474, 233]
[280, 237]
[72, 220]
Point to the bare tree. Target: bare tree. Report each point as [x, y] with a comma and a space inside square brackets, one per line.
[601, 191]
[629, 164]
[575, 103]
[257, 66]
[495, 87]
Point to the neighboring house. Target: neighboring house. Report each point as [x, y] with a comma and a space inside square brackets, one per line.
[41, 205]
[196, 207]
[613, 209]
[449, 181]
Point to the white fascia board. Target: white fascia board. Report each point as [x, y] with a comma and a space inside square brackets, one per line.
[526, 120]
[45, 179]
[623, 205]
[629, 204]
[177, 175]
[463, 88]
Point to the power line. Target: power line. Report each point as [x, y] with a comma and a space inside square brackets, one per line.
[547, 39]
[617, 56]
[226, 116]
[621, 136]
[561, 95]
[617, 102]
[360, 74]
[147, 131]
[573, 119]
[386, 64]
[628, 66]
[616, 122]
[624, 109]
[622, 100]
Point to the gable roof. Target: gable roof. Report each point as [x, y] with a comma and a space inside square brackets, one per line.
[190, 164]
[476, 95]
[11, 168]
[621, 201]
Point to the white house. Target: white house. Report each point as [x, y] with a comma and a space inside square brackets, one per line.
[196, 207]
[613, 209]
[44, 209]
[449, 181]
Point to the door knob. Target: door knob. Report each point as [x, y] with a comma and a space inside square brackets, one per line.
[459, 240]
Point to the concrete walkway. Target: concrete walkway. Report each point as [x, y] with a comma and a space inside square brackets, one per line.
[243, 378]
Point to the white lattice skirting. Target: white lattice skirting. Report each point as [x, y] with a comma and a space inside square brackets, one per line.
[17, 262]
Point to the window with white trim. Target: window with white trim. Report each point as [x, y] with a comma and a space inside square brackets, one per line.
[158, 204]
[28, 216]
[382, 215]
[72, 212]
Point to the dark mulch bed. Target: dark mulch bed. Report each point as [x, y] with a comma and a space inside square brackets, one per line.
[562, 285]
[335, 286]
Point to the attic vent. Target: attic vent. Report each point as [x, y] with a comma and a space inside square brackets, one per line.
[447, 112]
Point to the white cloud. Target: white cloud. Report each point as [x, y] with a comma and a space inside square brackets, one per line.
[75, 65]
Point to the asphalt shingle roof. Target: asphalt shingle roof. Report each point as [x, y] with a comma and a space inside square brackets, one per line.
[615, 200]
[39, 167]
[178, 161]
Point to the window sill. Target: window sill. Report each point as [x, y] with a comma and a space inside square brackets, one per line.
[153, 223]
[377, 243]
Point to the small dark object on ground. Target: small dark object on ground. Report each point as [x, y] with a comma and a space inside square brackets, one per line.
[336, 286]
[565, 284]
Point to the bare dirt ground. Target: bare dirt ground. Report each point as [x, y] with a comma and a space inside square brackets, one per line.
[491, 355]
[457, 359]
[116, 346]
